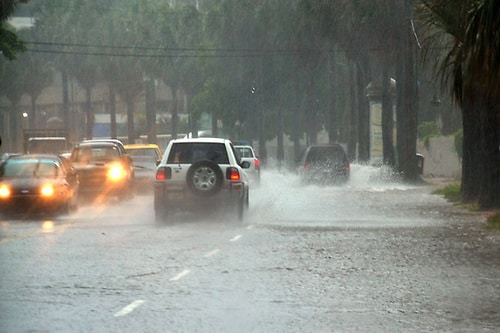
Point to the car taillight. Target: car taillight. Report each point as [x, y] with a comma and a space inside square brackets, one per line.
[4, 191]
[306, 165]
[47, 190]
[232, 174]
[347, 165]
[163, 173]
[257, 163]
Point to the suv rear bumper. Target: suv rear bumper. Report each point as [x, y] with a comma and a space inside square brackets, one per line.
[180, 197]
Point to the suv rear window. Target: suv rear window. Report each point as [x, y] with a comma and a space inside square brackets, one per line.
[188, 153]
[323, 154]
[244, 151]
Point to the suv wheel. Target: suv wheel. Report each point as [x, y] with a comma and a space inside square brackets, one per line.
[204, 178]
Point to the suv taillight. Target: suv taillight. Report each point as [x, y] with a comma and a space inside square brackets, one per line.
[163, 173]
[257, 163]
[232, 174]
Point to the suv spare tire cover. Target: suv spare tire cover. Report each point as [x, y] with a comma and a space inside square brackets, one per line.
[204, 178]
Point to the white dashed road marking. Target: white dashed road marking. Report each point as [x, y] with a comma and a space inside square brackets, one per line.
[129, 308]
[235, 238]
[211, 253]
[181, 275]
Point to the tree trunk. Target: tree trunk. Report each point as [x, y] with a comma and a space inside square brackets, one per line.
[406, 114]
[112, 112]
[363, 78]
[312, 111]
[353, 114]
[33, 119]
[332, 112]
[130, 119]
[215, 128]
[65, 106]
[470, 187]
[387, 118]
[262, 137]
[489, 148]
[174, 114]
[90, 113]
[13, 137]
[280, 152]
[150, 110]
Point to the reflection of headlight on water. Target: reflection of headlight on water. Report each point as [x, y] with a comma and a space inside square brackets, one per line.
[116, 172]
[48, 226]
[47, 190]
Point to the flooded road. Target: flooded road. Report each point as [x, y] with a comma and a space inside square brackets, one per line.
[371, 255]
[371, 198]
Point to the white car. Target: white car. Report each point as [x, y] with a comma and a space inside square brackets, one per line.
[202, 175]
[247, 153]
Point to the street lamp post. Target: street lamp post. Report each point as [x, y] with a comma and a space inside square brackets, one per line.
[150, 97]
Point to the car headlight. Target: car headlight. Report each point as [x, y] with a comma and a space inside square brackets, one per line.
[116, 172]
[47, 190]
[4, 192]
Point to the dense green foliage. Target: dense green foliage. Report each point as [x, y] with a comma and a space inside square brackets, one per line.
[273, 68]
[10, 43]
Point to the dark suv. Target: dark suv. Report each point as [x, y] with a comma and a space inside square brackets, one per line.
[324, 164]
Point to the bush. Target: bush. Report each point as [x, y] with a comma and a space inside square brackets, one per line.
[494, 221]
[428, 129]
[451, 192]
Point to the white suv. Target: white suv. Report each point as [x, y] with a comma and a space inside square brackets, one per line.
[203, 175]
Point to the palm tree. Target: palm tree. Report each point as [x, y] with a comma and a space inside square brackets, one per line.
[471, 66]
[38, 75]
[10, 43]
[11, 86]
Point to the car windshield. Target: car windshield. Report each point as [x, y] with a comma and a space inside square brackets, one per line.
[188, 153]
[93, 154]
[30, 169]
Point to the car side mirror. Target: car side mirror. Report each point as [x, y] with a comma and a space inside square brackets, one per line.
[245, 164]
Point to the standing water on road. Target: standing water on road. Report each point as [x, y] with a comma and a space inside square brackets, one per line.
[361, 202]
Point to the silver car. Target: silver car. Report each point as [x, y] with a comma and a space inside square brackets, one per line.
[247, 153]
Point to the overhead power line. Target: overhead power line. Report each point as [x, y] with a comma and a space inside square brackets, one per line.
[158, 52]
